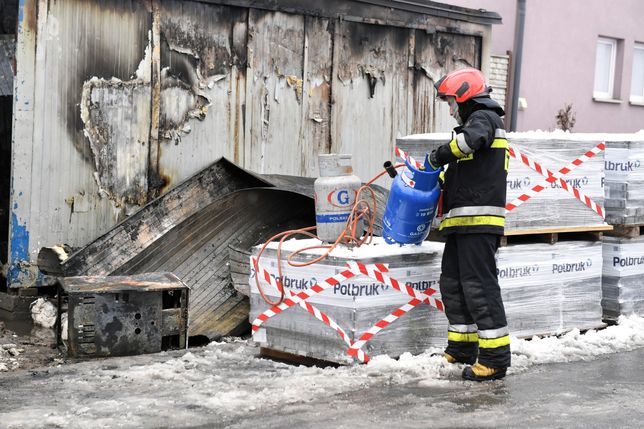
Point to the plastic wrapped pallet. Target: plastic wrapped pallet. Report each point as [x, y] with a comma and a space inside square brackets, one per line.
[553, 207]
[622, 285]
[624, 186]
[550, 289]
[355, 304]
[547, 289]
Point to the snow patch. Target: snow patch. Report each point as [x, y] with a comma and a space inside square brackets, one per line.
[377, 248]
[627, 335]
[545, 135]
[144, 70]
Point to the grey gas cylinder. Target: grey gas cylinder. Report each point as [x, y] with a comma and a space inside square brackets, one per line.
[335, 195]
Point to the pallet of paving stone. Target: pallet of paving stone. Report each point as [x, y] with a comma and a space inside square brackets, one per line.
[547, 289]
[356, 304]
[553, 207]
[623, 270]
[624, 186]
[551, 289]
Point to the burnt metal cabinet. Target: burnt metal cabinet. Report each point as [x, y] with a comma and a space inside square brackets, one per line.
[122, 315]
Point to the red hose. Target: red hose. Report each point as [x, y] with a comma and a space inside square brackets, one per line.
[360, 210]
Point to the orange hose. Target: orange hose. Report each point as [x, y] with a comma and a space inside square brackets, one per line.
[360, 210]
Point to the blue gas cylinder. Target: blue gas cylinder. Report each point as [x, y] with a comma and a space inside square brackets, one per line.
[411, 205]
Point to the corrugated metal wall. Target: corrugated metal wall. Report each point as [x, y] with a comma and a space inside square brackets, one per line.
[120, 100]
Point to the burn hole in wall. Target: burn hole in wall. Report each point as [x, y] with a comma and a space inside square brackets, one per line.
[123, 297]
[170, 342]
[171, 299]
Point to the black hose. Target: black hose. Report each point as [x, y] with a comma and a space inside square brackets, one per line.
[391, 170]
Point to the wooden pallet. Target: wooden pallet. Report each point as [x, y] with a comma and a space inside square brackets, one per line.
[546, 235]
[627, 231]
[292, 358]
[554, 235]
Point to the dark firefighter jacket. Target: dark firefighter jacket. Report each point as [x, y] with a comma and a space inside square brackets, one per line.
[475, 180]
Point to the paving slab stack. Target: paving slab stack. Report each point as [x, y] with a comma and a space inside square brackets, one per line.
[622, 286]
[552, 208]
[623, 277]
[547, 289]
[624, 170]
[356, 304]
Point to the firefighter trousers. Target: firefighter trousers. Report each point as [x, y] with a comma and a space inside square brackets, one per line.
[472, 297]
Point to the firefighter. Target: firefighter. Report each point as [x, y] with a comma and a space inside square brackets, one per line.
[473, 220]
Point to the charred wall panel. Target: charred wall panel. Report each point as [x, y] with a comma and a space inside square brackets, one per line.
[316, 92]
[369, 89]
[202, 86]
[117, 123]
[434, 54]
[56, 196]
[274, 93]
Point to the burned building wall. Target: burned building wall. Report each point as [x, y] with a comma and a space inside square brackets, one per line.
[59, 194]
[7, 48]
[121, 100]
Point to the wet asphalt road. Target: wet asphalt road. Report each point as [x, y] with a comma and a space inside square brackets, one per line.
[604, 393]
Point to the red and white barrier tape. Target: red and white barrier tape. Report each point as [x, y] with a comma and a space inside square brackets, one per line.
[374, 271]
[552, 179]
[298, 297]
[355, 349]
[570, 189]
[404, 156]
[318, 314]
[396, 314]
[392, 282]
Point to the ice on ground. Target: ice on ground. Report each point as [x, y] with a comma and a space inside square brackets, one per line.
[228, 379]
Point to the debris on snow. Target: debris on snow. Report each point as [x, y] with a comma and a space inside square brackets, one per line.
[43, 313]
[30, 349]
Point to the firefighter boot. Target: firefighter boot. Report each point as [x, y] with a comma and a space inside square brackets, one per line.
[451, 359]
[479, 372]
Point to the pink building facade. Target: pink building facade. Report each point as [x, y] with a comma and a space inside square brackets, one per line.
[562, 63]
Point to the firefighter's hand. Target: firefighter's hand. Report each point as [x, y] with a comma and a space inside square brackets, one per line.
[433, 162]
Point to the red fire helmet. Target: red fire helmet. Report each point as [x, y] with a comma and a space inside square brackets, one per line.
[462, 84]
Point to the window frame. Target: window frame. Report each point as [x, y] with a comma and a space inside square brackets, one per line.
[639, 98]
[610, 94]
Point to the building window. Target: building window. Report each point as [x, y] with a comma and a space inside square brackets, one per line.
[605, 68]
[637, 79]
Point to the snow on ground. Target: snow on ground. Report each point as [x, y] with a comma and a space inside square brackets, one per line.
[548, 135]
[227, 380]
[377, 248]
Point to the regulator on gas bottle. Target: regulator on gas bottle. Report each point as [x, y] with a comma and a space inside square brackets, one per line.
[335, 195]
[411, 205]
